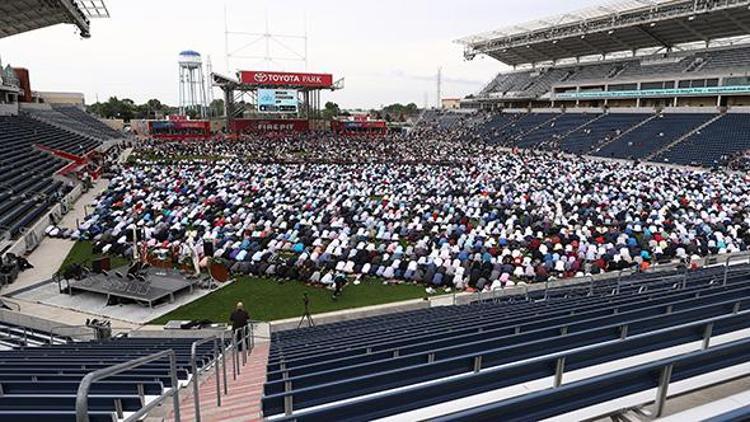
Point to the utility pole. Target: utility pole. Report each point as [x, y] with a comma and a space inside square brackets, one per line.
[439, 87]
[209, 85]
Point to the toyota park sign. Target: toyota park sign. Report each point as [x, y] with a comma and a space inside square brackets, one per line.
[286, 79]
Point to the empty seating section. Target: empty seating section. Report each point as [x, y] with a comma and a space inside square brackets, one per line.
[653, 135]
[726, 59]
[590, 72]
[612, 386]
[387, 365]
[627, 135]
[599, 132]
[26, 188]
[544, 82]
[40, 384]
[713, 144]
[640, 69]
[528, 84]
[554, 130]
[511, 82]
[61, 139]
[493, 129]
[525, 125]
[87, 123]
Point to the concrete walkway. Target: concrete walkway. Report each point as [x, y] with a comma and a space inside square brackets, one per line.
[51, 253]
[242, 404]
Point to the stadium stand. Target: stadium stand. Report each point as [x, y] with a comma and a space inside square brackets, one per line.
[28, 189]
[653, 135]
[40, 384]
[713, 144]
[588, 57]
[75, 120]
[48, 128]
[27, 15]
[92, 125]
[532, 85]
[555, 130]
[600, 132]
[526, 124]
[701, 139]
[388, 365]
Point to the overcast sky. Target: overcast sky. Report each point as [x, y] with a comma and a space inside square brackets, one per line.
[387, 50]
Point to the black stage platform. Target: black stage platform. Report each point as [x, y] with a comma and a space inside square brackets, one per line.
[158, 285]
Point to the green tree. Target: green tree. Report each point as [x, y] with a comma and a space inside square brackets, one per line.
[216, 108]
[331, 110]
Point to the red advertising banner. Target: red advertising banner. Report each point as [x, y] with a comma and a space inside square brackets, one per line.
[192, 124]
[270, 125]
[306, 80]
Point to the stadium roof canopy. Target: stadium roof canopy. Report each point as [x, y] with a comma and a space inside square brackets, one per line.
[17, 16]
[627, 25]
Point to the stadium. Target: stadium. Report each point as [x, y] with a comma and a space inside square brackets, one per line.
[570, 242]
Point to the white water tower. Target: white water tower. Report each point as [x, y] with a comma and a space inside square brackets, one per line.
[192, 84]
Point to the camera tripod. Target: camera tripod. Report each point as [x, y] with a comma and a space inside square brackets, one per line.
[306, 315]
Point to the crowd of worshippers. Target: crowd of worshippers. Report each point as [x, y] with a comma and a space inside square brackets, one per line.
[740, 162]
[485, 222]
[426, 144]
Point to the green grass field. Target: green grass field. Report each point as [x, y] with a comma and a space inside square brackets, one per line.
[267, 300]
[82, 253]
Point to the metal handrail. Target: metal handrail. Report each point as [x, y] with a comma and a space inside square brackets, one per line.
[196, 373]
[560, 357]
[82, 396]
[729, 260]
[222, 343]
[591, 288]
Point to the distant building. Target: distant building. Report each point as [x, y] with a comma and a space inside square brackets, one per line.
[451, 103]
[68, 98]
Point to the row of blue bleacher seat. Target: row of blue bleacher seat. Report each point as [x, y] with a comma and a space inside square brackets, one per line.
[27, 189]
[606, 387]
[456, 344]
[40, 384]
[626, 135]
[429, 394]
[306, 372]
[88, 123]
[429, 318]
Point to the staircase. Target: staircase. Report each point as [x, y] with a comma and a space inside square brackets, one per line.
[684, 137]
[616, 71]
[696, 65]
[241, 404]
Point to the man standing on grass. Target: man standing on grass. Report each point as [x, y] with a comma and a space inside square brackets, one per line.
[239, 319]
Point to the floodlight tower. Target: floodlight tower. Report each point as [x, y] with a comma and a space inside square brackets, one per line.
[192, 83]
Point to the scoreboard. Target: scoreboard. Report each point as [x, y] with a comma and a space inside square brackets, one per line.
[278, 101]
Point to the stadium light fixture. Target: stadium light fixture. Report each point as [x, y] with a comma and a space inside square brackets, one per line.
[653, 24]
[691, 18]
[610, 32]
